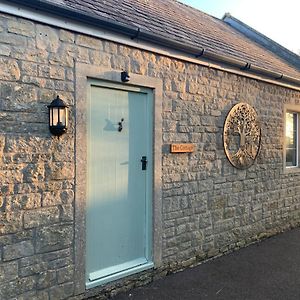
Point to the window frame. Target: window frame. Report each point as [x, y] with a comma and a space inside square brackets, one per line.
[290, 108]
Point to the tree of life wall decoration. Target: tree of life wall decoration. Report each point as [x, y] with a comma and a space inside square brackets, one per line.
[242, 136]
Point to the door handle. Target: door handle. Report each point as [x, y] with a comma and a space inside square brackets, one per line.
[144, 163]
[120, 128]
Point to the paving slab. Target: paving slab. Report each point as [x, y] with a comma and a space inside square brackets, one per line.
[269, 269]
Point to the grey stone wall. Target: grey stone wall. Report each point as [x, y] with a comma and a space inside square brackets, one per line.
[209, 208]
[36, 170]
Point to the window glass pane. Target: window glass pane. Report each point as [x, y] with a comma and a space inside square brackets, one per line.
[291, 158]
[291, 139]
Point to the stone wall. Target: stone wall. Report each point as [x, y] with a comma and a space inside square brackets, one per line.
[36, 170]
[209, 207]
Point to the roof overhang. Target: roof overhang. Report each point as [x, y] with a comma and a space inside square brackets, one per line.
[55, 14]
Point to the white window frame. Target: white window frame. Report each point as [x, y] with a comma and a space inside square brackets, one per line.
[291, 109]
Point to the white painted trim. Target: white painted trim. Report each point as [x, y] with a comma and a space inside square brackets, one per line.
[292, 108]
[53, 20]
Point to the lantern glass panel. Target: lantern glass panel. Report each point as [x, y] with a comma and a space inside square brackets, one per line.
[67, 116]
[55, 117]
[62, 116]
[50, 116]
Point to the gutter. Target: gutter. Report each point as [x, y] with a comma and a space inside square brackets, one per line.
[209, 55]
[136, 33]
[292, 58]
[70, 13]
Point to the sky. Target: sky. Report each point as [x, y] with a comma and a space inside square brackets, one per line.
[277, 19]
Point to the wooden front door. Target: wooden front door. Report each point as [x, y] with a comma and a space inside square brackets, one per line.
[119, 204]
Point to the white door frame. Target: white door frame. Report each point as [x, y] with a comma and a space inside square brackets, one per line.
[85, 72]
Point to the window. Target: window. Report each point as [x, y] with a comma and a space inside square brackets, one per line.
[291, 139]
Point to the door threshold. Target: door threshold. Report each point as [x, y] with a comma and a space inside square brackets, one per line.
[119, 275]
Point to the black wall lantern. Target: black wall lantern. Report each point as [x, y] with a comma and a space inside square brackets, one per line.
[58, 117]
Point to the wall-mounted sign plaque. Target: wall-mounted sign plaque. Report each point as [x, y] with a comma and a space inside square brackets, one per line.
[242, 135]
[182, 148]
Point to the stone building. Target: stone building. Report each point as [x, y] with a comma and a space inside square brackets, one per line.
[181, 144]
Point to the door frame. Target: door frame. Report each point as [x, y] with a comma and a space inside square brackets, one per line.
[84, 73]
[148, 191]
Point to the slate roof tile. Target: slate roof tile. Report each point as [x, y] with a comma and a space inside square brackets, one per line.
[184, 24]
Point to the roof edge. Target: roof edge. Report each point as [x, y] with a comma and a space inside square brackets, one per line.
[137, 33]
[69, 13]
[263, 40]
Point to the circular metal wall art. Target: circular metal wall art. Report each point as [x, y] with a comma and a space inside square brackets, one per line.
[242, 136]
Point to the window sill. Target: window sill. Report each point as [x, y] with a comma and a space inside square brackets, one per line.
[291, 170]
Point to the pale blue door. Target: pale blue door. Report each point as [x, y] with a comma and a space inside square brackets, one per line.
[118, 210]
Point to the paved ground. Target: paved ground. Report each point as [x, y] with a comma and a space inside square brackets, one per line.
[267, 270]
